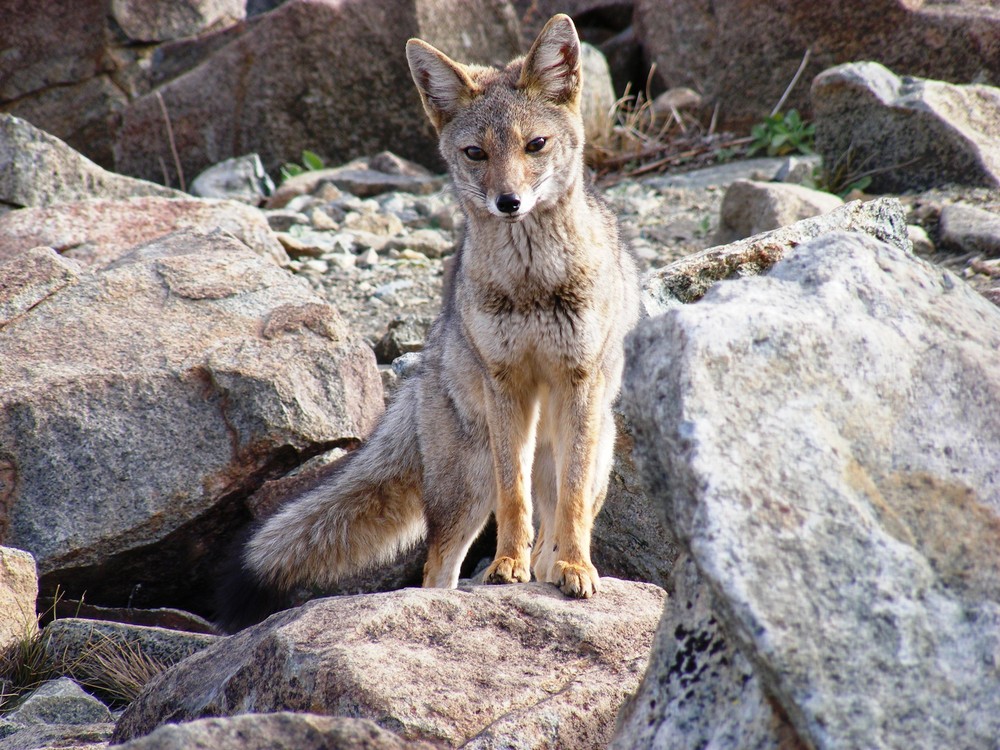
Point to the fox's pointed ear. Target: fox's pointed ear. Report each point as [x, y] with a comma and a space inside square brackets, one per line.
[552, 65]
[443, 84]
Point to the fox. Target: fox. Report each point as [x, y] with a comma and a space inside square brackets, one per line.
[510, 410]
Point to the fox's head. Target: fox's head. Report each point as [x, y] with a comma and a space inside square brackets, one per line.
[513, 136]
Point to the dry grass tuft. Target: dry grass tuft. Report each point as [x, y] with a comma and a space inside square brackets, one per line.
[115, 669]
[636, 139]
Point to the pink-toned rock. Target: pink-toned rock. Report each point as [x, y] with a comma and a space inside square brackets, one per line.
[98, 232]
[743, 55]
[481, 667]
[143, 402]
[324, 75]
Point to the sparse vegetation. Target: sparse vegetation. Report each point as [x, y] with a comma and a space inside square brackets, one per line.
[782, 134]
[311, 162]
[637, 139]
[114, 669]
[24, 665]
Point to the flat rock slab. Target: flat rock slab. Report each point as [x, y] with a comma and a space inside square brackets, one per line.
[277, 731]
[97, 232]
[483, 667]
[825, 442]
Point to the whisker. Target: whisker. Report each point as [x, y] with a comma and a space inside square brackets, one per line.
[469, 189]
[541, 181]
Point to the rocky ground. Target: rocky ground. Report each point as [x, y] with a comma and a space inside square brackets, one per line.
[381, 259]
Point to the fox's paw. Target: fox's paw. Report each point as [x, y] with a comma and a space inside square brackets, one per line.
[507, 570]
[580, 581]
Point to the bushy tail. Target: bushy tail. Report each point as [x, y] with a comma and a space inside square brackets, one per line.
[364, 513]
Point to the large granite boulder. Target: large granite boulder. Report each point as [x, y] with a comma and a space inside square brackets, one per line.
[743, 56]
[38, 169]
[824, 442]
[322, 75]
[142, 403]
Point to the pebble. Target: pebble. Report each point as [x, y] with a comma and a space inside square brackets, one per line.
[368, 258]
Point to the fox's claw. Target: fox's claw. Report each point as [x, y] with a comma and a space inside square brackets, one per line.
[580, 581]
[507, 570]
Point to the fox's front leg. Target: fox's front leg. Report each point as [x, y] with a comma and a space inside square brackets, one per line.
[578, 448]
[512, 424]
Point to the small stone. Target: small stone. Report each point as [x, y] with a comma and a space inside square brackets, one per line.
[316, 265]
[297, 247]
[283, 220]
[299, 204]
[676, 99]
[368, 258]
[428, 242]
[403, 335]
[376, 223]
[60, 701]
[406, 364]
[327, 191]
[242, 178]
[413, 255]
[922, 244]
[320, 219]
[967, 229]
[343, 261]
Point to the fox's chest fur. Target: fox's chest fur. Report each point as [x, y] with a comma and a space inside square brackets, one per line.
[541, 291]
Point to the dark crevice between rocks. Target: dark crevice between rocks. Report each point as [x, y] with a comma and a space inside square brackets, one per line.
[140, 578]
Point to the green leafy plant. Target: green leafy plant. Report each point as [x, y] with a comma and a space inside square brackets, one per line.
[782, 134]
[311, 161]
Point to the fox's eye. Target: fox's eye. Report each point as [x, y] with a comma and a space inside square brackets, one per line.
[475, 153]
[535, 145]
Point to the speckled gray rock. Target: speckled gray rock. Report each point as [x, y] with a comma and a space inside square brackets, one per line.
[52, 736]
[686, 280]
[60, 701]
[76, 645]
[482, 667]
[906, 133]
[241, 178]
[825, 443]
[699, 689]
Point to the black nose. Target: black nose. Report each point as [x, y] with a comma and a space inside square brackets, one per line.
[508, 203]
